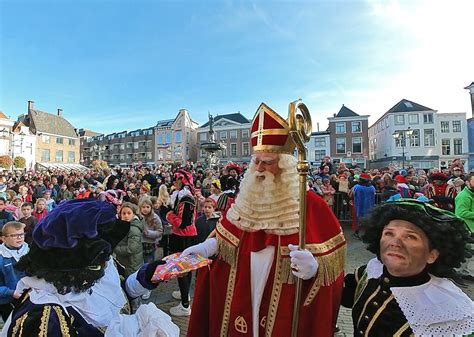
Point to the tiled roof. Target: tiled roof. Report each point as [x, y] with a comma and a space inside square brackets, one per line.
[406, 106]
[235, 117]
[346, 112]
[53, 124]
[2, 115]
[88, 133]
[164, 123]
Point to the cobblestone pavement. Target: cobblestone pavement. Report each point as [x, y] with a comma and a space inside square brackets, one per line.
[356, 256]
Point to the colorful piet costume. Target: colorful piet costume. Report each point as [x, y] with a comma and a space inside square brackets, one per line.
[73, 287]
[250, 288]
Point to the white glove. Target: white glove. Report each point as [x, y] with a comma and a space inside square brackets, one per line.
[206, 249]
[303, 263]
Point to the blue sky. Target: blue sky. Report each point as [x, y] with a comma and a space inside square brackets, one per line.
[121, 65]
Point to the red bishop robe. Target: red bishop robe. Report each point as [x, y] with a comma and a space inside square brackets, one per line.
[222, 305]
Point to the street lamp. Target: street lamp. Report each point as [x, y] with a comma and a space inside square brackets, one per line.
[401, 136]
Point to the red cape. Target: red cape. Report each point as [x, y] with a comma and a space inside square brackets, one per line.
[222, 300]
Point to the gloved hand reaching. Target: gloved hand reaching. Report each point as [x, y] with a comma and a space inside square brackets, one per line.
[303, 263]
[207, 248]
[146, 272]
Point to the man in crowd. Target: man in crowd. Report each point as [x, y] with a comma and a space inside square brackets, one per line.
[403, 291]
[465, 210]
[250, 287]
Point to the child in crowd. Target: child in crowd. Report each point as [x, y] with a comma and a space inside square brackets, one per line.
[40, 210]
[4, 215]
[207, 222]
[164, 202]
[50, 203]
[11, 250]
[15, 207]
[29, 220]
[129, 252]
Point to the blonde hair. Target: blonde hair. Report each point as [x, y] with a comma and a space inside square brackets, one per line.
[164, 196]
[39, 200]
[12, 225]
[150, 216]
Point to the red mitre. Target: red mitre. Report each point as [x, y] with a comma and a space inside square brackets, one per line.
[270, 132]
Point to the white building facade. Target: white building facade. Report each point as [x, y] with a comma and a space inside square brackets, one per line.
[409, 134]
[318, 147]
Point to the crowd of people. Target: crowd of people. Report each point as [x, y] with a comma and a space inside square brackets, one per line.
[248, 216]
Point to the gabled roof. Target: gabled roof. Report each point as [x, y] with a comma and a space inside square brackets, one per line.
[346, 112]
[3, 116]
[469, 86]
[406, 106]
[52, 124]
[234, 117]
[88, 133]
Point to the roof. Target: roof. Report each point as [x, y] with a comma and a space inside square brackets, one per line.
[235, 117]
[346, 112]
[164, 123]
[406, 106]
[88, 133]
[52, 124]
[3, 116]
[469, 86]
[61, 166]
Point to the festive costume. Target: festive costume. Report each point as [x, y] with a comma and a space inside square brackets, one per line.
[249, 289]
[73, 287]
[444, 194]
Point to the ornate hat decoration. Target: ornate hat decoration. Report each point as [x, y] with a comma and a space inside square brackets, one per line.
[270, 132]
[185, 176]
[439, 176]
[233, 166]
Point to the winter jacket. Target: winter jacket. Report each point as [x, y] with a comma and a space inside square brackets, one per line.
[5, 217]
[129, 251]
[9, 276]
[153, 232]
[465, 206]
[205, 226]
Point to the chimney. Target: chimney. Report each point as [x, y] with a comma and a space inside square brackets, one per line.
[30, 105]
[60, 112]
[317, 126]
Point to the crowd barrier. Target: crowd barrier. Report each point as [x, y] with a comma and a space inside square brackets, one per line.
[342, 206]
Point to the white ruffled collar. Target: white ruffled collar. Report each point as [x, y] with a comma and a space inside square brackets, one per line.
[14, 253]
[437, 307]
[97, 306]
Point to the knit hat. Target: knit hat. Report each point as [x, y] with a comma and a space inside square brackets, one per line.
[400, 179]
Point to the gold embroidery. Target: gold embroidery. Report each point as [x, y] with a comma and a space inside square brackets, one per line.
[276, 292]
[312, 294]
[401, 330]
[19, 325]
[366, 303]
[62, 322]
[377, 314]
[263, 321]
[240, 324]
[102, 329]
[227, 235]
[229, 295]
[319, 248]
[43, 328]
[227, 251]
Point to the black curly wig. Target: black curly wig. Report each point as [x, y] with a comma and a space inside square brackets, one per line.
[446, 232]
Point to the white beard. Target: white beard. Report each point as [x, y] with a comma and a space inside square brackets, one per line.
[271, 204]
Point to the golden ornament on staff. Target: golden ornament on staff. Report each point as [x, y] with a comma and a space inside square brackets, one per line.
[300, 132]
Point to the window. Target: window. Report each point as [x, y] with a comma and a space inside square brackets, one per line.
[429, 137]
[233, 134]
[415, 138]
[45, 155]
[399, 140]
[444, 127]
[129, 145]
[177, 137]
[428, 118]
[245, 133]
[457, 146]
[320, 142]
[357, 145]
[223, 135]
[45, 139]
[122, 146]
[159, 139]
[59, 156]
[224, 152]
[245, 149]
[122, 156]
[399, 119]
[203, 137]
[456, 126]
[168, 138]
[341, 127]
[71, 157]
[446, 147]
[319, 155]
[340, 145]
[413, 119]
[72, 142]
[136, 145]
[356, 127]
[59, 140]
[386, 122]
[233, 150]
[148, 155]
